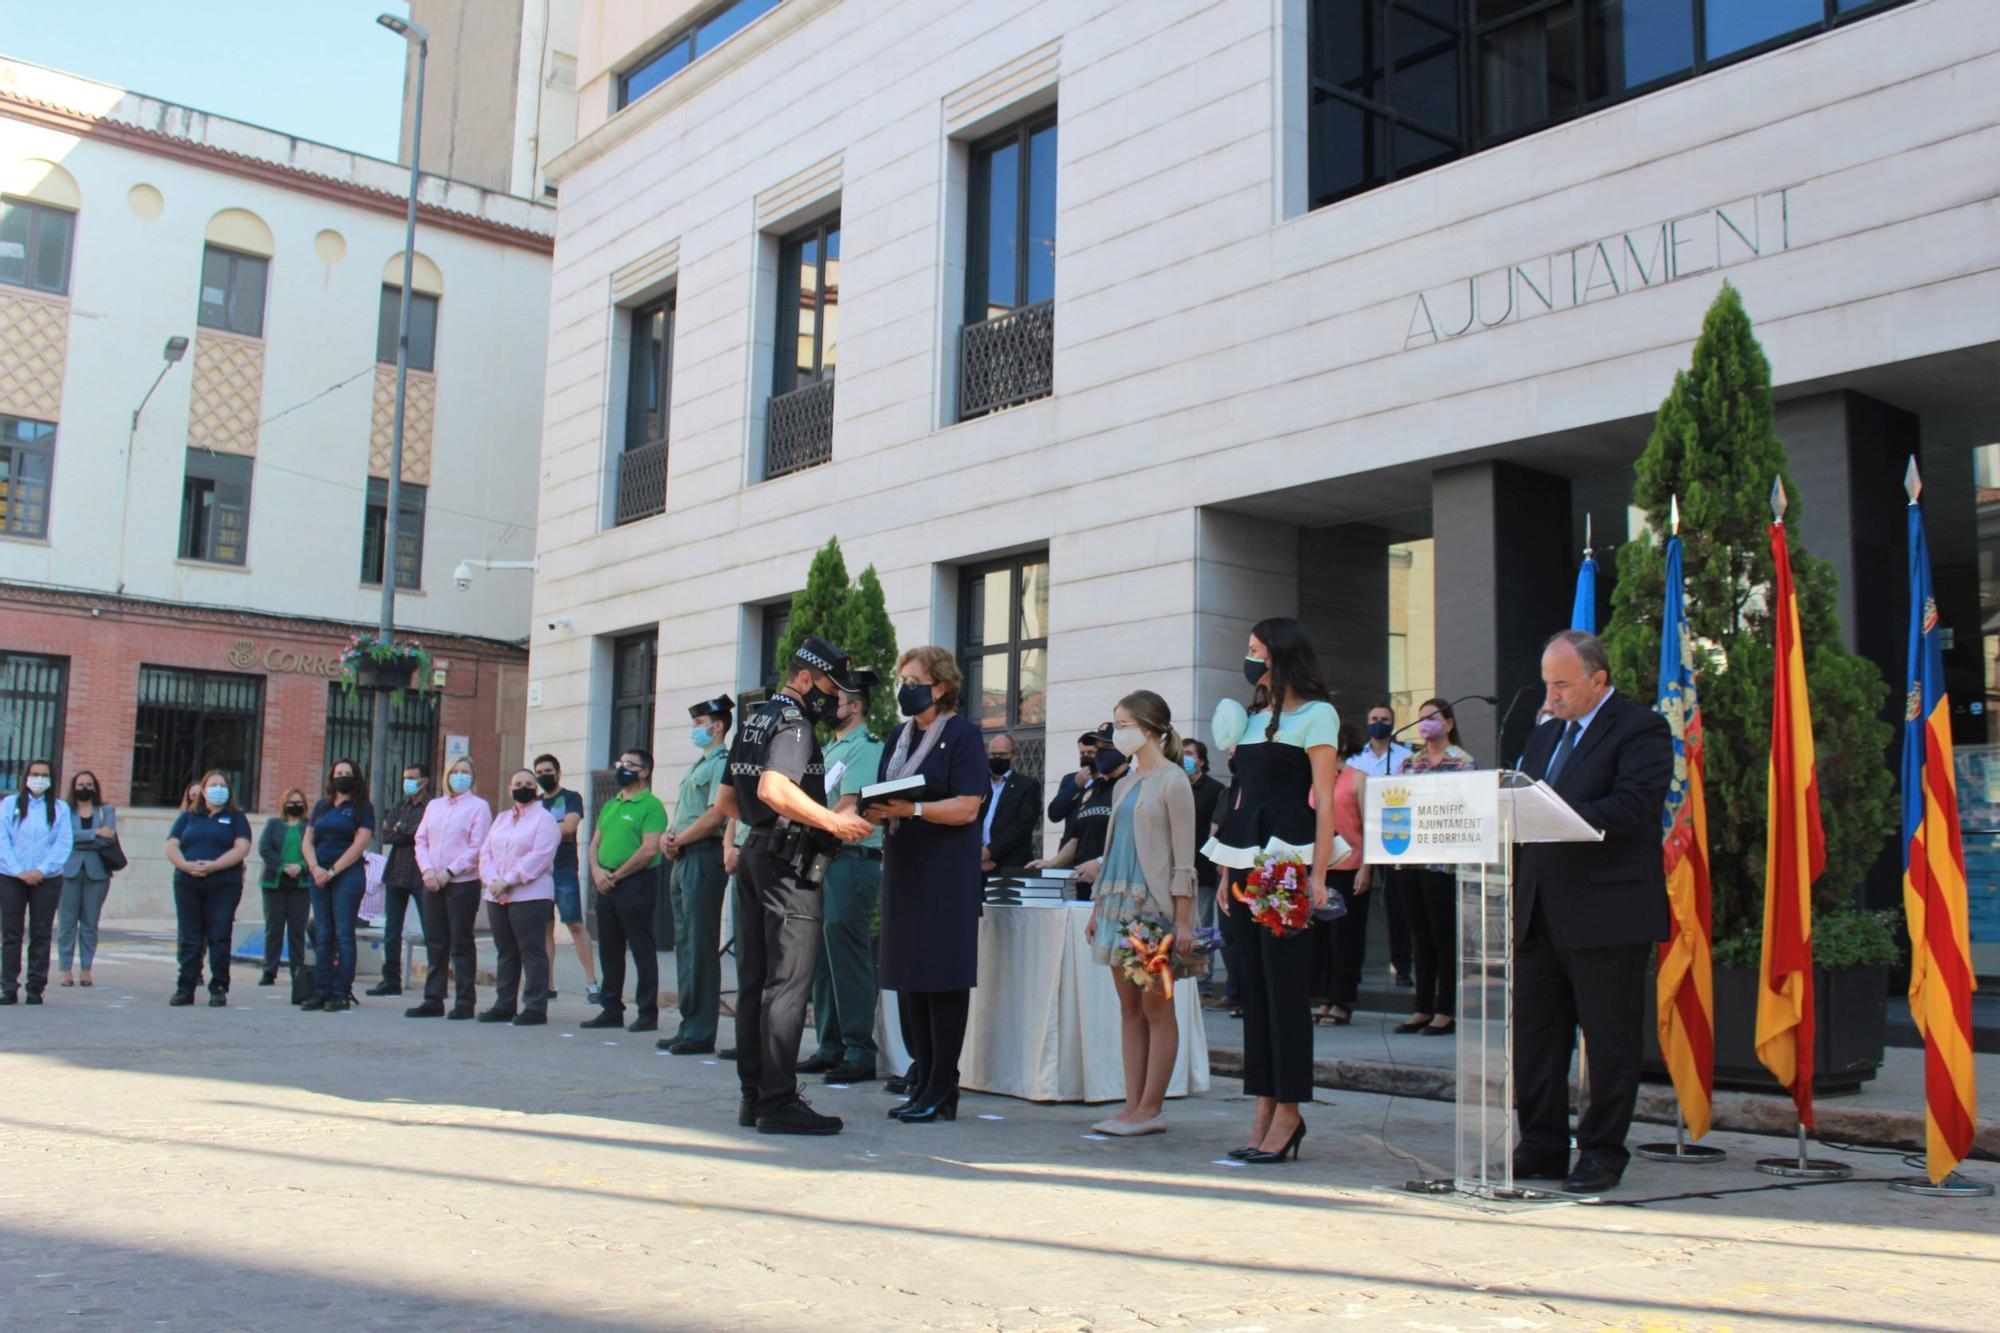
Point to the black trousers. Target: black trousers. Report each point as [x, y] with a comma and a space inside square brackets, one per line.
[285, 911]
[1339, 945]
[521, 939]
[450, 915]
[777, 948]
[1432, 899]
[1395, 891]
[936, 1029]
[625, 921]
[1277, 1009]
[1555, 991]
[27, 909]
[396, 909]
[205, 915]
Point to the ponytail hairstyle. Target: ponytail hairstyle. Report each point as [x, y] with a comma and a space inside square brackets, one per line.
[1150, 713]
[1294, 667]
[47, 798]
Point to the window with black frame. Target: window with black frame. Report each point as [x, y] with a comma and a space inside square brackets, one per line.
[27, 462]
[634, 664]
[688, 45]
[189, 722]
[215, 508]
[411, 499]
[34, 702]
[799, 426]
[642, 463]
[35, 242]
[423, 328]
[1003, 650]
[1400, 86]
[1007, 347]
[413, 729]
[232, 291]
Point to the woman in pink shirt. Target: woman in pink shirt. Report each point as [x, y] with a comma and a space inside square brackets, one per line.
[520, 893]
[448, 843]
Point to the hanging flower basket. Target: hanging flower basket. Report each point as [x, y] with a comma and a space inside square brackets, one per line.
[393, 665]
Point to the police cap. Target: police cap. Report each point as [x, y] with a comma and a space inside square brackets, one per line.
[720, 706]
[817, 654]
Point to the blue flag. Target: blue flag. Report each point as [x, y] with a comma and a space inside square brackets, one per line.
[1583, 615]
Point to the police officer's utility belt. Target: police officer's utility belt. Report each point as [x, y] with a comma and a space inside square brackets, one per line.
[806, 850]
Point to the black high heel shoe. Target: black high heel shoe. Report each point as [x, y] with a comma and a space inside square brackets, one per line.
[896, 1111]
[945, 1108]
[1291, 1149]
[1247, 1150]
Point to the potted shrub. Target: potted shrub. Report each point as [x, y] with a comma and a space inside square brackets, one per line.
[1715, 446]
[369, 663]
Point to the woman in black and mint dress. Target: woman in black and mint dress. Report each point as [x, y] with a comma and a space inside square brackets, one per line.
[1285, 766]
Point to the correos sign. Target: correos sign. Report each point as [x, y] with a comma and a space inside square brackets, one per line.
[282, 661]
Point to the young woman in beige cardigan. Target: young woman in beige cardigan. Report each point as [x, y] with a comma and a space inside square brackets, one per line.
[1146, 879]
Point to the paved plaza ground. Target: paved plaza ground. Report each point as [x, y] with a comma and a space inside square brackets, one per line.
[260, 1168]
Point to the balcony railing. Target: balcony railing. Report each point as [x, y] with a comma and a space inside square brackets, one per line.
[798, 429]
[1007, 360]
[642, 482]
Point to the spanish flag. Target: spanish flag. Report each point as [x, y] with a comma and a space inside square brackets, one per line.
[1794, 853]
[1686, 991]
[1934, 896]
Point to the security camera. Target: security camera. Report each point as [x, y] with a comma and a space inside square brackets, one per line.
[560, 622]
[462, 576]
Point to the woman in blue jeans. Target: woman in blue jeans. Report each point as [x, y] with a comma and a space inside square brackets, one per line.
[337, 837]
[207, 848]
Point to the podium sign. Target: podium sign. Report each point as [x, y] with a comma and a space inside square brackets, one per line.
[1432, 819]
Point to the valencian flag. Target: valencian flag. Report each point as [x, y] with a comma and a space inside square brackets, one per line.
[1794, 850]
[1934, 895]
[1686, 992]
[1583, 611]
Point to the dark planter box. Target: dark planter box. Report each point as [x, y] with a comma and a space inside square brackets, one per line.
[383, 675]
[1851, 1008]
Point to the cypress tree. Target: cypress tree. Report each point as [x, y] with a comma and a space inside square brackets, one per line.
[866, 635]
[817, 609]
[1715, 446]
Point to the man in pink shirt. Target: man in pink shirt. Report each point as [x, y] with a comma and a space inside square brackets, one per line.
[448, 843]
[515, 867]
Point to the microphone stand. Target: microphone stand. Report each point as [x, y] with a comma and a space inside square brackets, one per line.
[1500, 737]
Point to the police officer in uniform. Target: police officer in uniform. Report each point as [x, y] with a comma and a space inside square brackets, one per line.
[694, 844]
[777, 786]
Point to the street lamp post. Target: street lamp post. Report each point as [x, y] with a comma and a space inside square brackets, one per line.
[175, 349]
[392, 524]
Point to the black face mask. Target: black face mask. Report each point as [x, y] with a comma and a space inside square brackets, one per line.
[86, 793]
[523, 795]
[627, 776]
[344, 784]
[1254, 669]
[295, 809]
[1000, 764]
[1107, 761]
[546, 781]
[1381, 731]
[914, 699]
[819, 705]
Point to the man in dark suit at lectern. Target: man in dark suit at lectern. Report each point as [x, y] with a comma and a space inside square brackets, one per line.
[1586, 916]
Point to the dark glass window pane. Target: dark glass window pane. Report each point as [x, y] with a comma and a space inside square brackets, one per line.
[650, 388]
[1417, 151]
[1002, 216]
[1733, 25]
[1347, 45]
[1488, 11]
[975, 612]
[656, 71]
[1035, 601]
[16, 220]
[215, 507]
[1345, 145]
[1042, 215]
[215, 289]
[51, 257]
[829, 303]
[732, 20]
[1423, 84]
[806, 267]
[1630, 43]
[423, 329]
[1527, 72]
[232, 292]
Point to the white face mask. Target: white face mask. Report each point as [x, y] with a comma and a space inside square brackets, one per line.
[1129, 740]
[38, 784]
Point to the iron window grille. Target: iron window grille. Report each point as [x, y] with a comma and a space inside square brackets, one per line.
[798, 426]
[190, 722]
[413, 734]
[34, 702]
[642, 463]
[1003, 648]
[1006, 353]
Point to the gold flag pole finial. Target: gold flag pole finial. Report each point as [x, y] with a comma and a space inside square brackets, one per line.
[1587, 551]
[1777, 499]
[1913, 484]
[1674, 514]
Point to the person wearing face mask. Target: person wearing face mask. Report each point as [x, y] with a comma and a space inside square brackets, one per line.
[449, 837]
[1008, 817]
[402, 880]
[287, 899]
[35, 843]
[93, 856]
[1063, 807]
[566, 808]
[1146, 878]
[1383, 757]
[1083, 842]
[1207, 794]
[696, 880]
[207, 848]
[514, 864]
[1432, 891]
[625, 863]
[337, 835]
[844, 991]
[777, 785]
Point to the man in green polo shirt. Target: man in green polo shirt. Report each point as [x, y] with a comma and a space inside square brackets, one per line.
[844, 993]
[694, 844]
[624, 869]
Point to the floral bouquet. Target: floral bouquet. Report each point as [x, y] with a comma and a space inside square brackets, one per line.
[1277, 893]
[1144, 954]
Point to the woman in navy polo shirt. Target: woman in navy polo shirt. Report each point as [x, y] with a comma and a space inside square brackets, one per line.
[207, 847]
[337, 837]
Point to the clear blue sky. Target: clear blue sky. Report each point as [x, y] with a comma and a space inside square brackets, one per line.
[320, 69]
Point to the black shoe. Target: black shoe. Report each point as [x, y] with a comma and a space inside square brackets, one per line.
[268, 979]
[846, 1073]
[216, 999]
[1291, 1150]
[605, 1019]
[726, 1053]
[552, 995]
[428, 1009]
[688, 1046]
[497, 1015]
[34, 997]
[460, 1011]
[819, 1064]
[896, 1111]
[645, 1024]
[530, 1018]
[903, 1085]
[944, 1108]
[1431, 1029]
[316, 1002]
[9, 997]
[1540, 1168]
[746, 1112]
[386, 987]
[1591, 1178]
[796, 1117]
[337, 1005]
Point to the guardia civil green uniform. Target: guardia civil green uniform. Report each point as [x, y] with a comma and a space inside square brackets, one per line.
[698, 886]
[844, 990]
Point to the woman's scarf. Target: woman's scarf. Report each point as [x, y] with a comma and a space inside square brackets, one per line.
[903, 763]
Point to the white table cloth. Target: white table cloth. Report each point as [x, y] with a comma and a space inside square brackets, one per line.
[1044, 1020]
